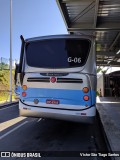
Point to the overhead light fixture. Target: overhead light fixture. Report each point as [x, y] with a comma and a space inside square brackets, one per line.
[118, 51]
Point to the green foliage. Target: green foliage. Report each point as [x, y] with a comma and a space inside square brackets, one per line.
[5, 84]
[4, 66]
[99, 69]
[97, 93]
[104, 71]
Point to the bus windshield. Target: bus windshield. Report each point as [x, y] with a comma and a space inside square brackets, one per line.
[57, 53]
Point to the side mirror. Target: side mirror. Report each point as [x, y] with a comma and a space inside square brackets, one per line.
[16, 73]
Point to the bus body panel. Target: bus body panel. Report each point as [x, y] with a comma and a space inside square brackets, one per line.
[69, 94]
[93, 83]
[70, 97]
[17, 92]
[69, 115]
[67, 90]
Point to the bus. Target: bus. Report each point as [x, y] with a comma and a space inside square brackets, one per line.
[16, 82]
[58, 78]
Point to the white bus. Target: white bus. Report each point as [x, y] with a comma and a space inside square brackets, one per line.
[58, 78]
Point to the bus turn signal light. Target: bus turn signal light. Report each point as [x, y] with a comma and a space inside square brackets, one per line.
[24, 87]
[24, 94]
[86, 98]
[85, 90]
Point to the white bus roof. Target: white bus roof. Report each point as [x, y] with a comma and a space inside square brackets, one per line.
[59, 36]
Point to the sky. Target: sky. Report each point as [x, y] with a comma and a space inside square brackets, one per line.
[30, 18]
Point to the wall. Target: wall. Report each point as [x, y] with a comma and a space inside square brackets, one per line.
[100, 83]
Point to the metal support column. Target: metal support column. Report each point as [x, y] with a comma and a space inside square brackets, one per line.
[10, 50]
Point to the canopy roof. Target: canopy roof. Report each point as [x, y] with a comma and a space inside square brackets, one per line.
[100, 18]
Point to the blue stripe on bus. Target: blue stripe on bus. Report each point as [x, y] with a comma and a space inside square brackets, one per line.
[71, 97]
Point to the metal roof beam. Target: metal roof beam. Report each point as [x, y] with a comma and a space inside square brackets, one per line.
[96, 12]
[89, 26]
[84, 11]
[106, 64]
[79, 26]
[63, 11]
[92, 29]
[109, 24]
[73, 1]
[105, 53]
[115, 40]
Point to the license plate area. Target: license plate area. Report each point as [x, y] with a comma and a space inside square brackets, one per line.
[49, 101]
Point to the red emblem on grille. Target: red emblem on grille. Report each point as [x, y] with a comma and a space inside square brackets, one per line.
[53, 79]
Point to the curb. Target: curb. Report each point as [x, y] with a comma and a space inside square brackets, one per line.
[105, 136]
[8, 104]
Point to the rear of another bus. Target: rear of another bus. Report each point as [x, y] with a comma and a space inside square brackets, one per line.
[59, 78]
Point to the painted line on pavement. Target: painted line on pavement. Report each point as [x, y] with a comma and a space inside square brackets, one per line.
[39, 119]
[4, 135]
[8, 107]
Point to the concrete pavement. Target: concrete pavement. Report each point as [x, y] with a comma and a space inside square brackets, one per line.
[53, 134]
[33, 134]
[109, 111]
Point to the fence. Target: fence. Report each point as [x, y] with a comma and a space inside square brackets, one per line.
[5, 63]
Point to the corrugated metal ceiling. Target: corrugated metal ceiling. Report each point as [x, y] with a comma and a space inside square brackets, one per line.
[98, 17]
